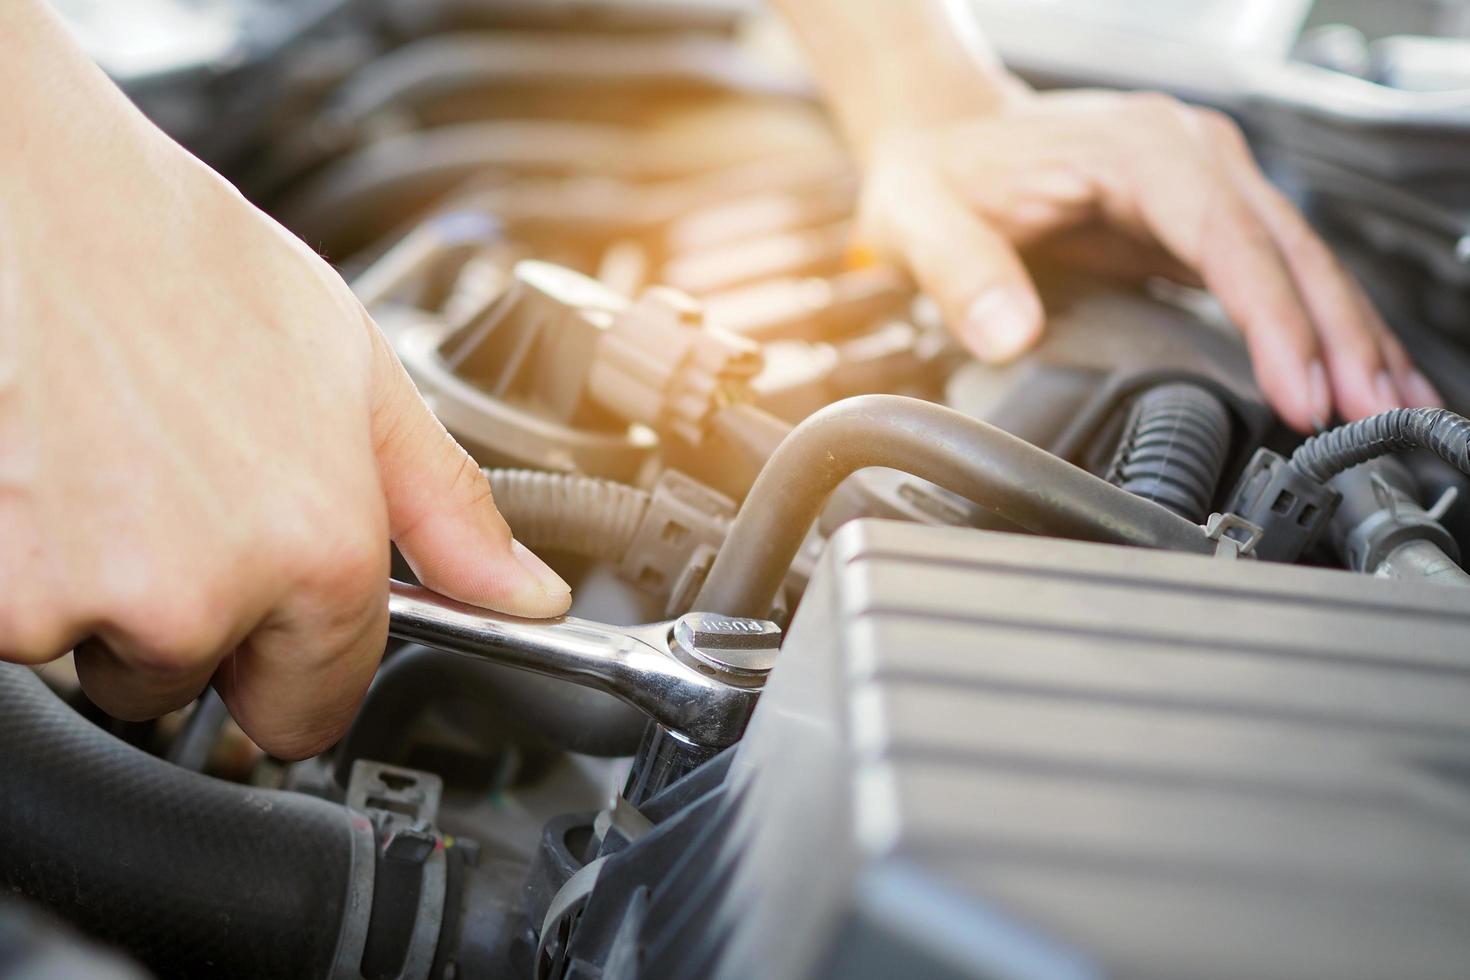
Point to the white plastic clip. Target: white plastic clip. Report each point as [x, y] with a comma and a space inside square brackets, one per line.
[1216, 529]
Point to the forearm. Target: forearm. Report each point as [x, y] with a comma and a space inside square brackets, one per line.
[896, 64]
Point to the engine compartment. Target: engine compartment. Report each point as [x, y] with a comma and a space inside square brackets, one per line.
[1088, 666]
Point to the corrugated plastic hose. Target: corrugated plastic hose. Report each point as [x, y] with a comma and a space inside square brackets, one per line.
[1439, 430]
[1174, 448]
[567, 512]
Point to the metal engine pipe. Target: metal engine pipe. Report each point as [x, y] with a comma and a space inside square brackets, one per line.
[1014, 479]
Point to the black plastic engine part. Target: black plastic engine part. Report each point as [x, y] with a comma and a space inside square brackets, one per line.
[1439, 430]
[229, 59]
[1104, 349]
[194, 744]
[398, 876]
[1291, 509]
[507, 707]
[1174, 448]
[177, 868]
[618, 17]
[594, 937]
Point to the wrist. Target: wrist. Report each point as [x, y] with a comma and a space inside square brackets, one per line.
[927, 98]
[887, 66]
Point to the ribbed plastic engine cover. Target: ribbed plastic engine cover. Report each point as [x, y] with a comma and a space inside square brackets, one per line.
[1002, 756]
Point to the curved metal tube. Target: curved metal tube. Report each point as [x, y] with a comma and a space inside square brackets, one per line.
[1014, 479]
[634, 665]
[1422, 561]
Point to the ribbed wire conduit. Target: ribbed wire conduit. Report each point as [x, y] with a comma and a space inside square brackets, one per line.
[568, 512]
[1174, 448]
[1439, 430]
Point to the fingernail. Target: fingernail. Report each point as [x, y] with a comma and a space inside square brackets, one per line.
[553, 584]
[1318, 394]
[1002, 323]
[1419, 391]
[1387, 392]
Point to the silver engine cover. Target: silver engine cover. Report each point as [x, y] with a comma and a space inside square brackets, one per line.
[1003, 756]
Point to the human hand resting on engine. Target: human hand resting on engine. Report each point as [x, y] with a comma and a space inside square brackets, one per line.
[966, 166]
[205, 443]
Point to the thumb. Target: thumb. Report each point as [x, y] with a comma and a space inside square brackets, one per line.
[967, 267]
[440, 510]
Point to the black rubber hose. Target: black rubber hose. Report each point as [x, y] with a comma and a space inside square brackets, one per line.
[1174, 448]
[192, 875]
[33, 946]
[1021, 483]
[1439, 430]
[566, 512]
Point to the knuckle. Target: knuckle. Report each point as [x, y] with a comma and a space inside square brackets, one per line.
[1360, 346]
[175, 634]
[1230, 219]
[474, 484]
[469, 479]
[1317, 266]
[1318, 261]
[473, 491]
[1218, 124]
[32, 633]
[344, 565]
[1155, 109]
[1393, 352]
[36, 626]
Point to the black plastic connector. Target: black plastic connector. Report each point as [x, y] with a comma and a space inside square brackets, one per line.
[1380, 512]
[1291, 508]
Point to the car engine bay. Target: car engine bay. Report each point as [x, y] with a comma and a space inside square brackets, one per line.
[883, 661]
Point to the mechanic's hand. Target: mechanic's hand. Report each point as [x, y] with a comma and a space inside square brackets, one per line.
[1138, 184]
[206, 444]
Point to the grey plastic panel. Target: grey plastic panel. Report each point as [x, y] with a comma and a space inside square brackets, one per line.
[1003, 756]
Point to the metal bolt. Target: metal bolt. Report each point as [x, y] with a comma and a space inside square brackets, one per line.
[730, 644]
